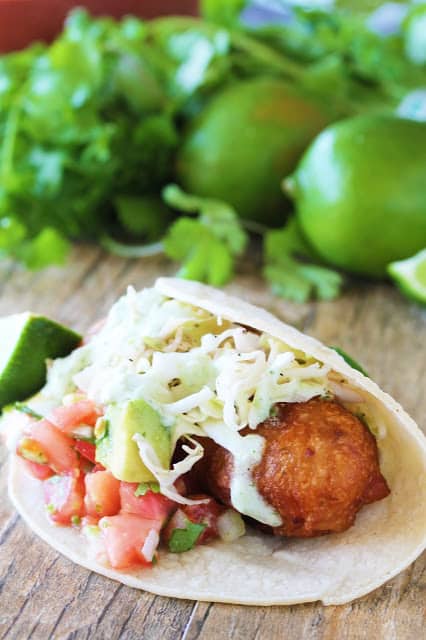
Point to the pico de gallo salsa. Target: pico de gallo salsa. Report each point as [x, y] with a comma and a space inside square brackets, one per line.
[124, 522]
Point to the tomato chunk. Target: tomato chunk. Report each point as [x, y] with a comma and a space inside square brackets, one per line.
[57, 447]
[39, 471]
[125, 536]
[86, 449]
[102, 494]
[64, 498]
[68, 418]
[152, 506]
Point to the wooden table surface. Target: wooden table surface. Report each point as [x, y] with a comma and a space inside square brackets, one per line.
[43, 595]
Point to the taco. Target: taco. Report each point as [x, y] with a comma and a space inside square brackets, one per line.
[195, 446]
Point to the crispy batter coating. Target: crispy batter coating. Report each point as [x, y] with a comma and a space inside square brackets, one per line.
[319, 467]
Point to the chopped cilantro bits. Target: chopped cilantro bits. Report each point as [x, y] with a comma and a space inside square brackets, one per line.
[291, 270]
[207, 246]
[143, 487]
[185, 539]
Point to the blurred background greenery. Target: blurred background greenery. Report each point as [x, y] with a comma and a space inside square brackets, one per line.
[97, 124]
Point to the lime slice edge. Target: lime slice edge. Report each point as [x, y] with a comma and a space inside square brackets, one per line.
[410, 276]
[27, 340]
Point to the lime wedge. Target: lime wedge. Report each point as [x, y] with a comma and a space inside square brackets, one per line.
[26, 341]
[410, 276]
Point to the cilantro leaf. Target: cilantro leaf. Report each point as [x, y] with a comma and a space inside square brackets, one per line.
[286, 253]
[225, 12]
[144, 487]
[185, 539]
[12, 234]
[207, 245]
[48, 247]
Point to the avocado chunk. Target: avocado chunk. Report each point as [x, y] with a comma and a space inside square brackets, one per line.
[117, 450]
[26, 341]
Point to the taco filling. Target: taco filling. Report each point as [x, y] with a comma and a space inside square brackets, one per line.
[171, 427]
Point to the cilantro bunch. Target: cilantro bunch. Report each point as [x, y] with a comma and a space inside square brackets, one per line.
[81, 122]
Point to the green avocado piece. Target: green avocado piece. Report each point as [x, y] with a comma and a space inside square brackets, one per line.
[360, 193]
[244, 142]
[26, 341]
[119, 453]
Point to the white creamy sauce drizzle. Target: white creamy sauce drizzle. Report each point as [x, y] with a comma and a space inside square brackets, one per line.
[247, 452]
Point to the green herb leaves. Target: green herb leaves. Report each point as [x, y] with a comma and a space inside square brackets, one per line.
[144, 487]
[289, 272]
[73, 138]
[208, 245]
[185, 539]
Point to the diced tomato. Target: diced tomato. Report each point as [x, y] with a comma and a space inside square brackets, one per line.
[86, 449]
[102, 494]
[57, 447]
[205, 513]
[64, 498]
[39, 471]
[152, 506]
[125, 536]
[68, 418]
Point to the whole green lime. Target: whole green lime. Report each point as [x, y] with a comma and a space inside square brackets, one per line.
[360, 192]
[244, 141]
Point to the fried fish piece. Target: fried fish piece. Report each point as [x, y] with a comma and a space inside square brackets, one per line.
[319, 467]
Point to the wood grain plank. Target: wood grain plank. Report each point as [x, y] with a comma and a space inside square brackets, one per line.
[394, 612]
[68, 601]
[43, 595]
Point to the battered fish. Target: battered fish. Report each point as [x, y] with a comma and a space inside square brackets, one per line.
[319, 467]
